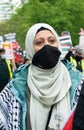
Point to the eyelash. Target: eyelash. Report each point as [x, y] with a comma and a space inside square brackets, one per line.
[50, 41]
[38, 43]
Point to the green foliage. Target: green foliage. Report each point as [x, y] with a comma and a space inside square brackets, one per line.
[63, 15]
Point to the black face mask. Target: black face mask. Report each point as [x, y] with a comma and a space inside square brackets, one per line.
[78, 58]
[47, 57]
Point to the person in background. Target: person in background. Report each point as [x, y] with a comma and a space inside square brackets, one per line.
[81, 37]
[14, 64]
[41, 93]
[26, 61]
[76, 57]
[5, 69]
[17, 59]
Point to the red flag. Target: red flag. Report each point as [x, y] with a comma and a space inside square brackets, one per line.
[69, 122]
[15, 45]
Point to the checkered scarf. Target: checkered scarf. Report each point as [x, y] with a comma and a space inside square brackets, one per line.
[10, 111]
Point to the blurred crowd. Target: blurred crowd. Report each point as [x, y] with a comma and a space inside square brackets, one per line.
[38, 88]
[8, 66]
[75, 55]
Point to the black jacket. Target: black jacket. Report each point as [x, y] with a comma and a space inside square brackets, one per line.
[4, 74]
[78, 121]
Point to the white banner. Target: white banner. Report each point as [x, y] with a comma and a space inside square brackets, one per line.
[10, 37]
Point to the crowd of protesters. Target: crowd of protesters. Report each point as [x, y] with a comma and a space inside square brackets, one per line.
[5, 70]
[75, 55]
[8, 66]
[42, 94]
[19, 57]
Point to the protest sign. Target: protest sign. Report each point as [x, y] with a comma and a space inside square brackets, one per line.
[66, 44]
[1, 40]
[10, 37]
[8, 49]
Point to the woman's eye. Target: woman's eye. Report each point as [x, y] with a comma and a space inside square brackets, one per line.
[52, 40]
[38, 43]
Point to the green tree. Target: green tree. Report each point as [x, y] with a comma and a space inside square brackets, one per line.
[63, 15]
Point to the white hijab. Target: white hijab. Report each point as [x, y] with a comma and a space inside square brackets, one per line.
[47, 87]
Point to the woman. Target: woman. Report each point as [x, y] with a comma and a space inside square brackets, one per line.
[40, 94]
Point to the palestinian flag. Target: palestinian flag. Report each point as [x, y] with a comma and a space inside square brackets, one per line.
[69, 121]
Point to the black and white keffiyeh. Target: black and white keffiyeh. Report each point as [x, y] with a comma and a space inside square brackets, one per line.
[78, 90]
[10, 110]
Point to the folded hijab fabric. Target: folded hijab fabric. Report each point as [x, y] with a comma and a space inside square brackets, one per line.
[48, 87]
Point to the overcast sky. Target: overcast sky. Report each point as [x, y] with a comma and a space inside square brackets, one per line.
[14, 1]
[4, 13]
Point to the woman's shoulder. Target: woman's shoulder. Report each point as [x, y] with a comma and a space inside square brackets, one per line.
[23, 69]
[19, 80]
